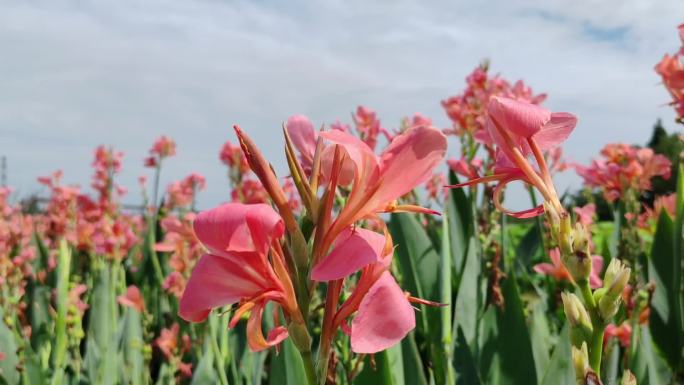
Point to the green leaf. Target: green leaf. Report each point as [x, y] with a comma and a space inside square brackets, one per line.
[8, 346]
[381, 374]
[460, 220]
[414, 370]
[647, 366]
[507, 356]
[287, 366]
[528, 247]
[464, 364]
[33, 372]
[205, 374]
[101, 359]
[665, 330]
[541, 339]
[676, 266]
[467, 308]
[420, 264]
[560, 370]
[60, 348]
[133, 365]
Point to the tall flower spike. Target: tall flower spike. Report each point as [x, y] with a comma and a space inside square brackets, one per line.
[236, 268]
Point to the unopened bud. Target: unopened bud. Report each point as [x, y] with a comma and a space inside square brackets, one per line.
[576, 313]
[628, 378]
[581, 240]
[580, 360]
[566, 235]
[578, 264]
[614, 282]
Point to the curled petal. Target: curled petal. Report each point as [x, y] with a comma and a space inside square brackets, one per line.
[385, 317]
[556, 131]
[529, 213]
[255, 336]
[484, 179]
[353, 250]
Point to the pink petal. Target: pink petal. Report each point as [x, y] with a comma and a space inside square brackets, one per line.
[362, 156]
[385, 317]
[556, 131]
[409, 161]
[353, 250]
[555, 256]
[520, 118]
[304, 138]
[596, 267]
[544, 268]
[218, 281]
[238, 227]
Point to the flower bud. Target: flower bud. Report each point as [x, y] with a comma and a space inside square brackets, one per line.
[578, 264]
[614, 282]
[628, 378]
[580, 360]
[581, 240]
[580, 323]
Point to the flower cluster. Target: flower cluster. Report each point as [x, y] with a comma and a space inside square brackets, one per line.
[624, 168]
[671, 71]
[256, 255]
[467, 110]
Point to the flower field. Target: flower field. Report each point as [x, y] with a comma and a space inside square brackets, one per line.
[382, 256]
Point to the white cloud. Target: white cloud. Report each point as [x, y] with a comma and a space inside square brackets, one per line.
[77, 74]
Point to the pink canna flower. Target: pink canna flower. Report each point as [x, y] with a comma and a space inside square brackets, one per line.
[236, 268]
[519, 130]
[407, 162]
[132, 299]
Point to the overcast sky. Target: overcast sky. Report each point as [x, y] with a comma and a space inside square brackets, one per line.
[75, 74]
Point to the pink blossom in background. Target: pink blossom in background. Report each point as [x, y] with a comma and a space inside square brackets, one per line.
[162, 148]
[623, 333]
[132, 298]
[622, 168]
[586, 213]
[467, 110]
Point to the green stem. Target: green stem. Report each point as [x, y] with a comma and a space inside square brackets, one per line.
[596, 342]
[596, 349]
[307, 358]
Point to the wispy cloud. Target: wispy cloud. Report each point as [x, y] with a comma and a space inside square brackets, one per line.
[77, 74]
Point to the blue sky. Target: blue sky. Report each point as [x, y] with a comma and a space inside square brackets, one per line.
[77, 74]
